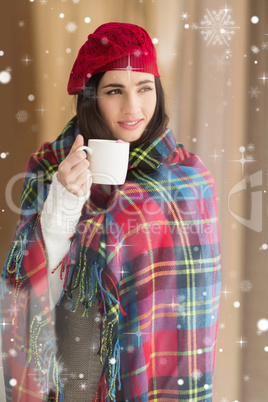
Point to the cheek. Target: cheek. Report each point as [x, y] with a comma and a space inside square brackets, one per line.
[104, 109]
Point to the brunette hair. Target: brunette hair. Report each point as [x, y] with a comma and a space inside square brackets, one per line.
[92, 124]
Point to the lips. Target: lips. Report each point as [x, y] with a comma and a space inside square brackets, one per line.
[130, 124]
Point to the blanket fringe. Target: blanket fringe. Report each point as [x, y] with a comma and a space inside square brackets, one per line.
[13, 261]
[46, 366]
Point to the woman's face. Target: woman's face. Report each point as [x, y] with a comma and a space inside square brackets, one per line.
[126, 101]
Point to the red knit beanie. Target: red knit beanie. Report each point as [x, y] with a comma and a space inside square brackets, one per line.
[113, 46]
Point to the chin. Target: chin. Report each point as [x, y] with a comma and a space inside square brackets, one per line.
[129, 137]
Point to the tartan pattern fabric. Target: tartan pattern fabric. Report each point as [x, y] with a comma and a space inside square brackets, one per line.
[148, 253]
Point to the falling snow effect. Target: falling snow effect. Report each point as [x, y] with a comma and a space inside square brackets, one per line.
[207, 341]
[246, 286]
[262, 325]
[31, 97]
[130, 349]
[250, 147]
[255, 49]
[242, 342]
[264, 78]
[71, 27]
[5, 77]
[22, 116]
[184, 16]
[218, 27]
[220, 62]
[12, 352]
[197, 374]
[3, 155]
[41, 110]
[26, 60]
[13, 382]
[236, 304]
[254, 19]
[215, 156]
[254, 92]
[244, 159]
[228, 53]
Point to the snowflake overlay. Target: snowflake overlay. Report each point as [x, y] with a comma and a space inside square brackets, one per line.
[246, 286]
[218, 27]
[21, 24]
[250, 147]
[71, 27]
[254, 92]
[220, 62]
[243, 160]
[22, 116]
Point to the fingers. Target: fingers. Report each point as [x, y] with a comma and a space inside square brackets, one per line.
[79, 142]
[73, 171]
[74, 157]
[69, 173]
[70, 169]
[82, 185]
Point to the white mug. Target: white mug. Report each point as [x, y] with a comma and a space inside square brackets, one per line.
[108, 160]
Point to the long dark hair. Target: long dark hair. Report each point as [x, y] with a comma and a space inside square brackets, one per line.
[92, 124]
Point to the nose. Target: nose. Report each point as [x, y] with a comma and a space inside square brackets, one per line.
[131, 104]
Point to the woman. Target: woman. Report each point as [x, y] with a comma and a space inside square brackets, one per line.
[137, 265]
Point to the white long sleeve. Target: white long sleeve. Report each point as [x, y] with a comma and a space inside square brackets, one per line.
[59, 219]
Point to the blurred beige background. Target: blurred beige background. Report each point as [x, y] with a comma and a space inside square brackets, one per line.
[212, 57]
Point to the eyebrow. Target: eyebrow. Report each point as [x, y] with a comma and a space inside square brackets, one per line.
[115, 85]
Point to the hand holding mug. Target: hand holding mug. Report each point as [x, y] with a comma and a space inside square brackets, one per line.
[108, 160]
[73, 171]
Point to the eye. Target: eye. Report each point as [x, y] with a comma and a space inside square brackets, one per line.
[146, 89]
[114, 92]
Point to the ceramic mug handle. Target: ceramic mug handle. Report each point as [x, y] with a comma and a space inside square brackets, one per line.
[85, 148]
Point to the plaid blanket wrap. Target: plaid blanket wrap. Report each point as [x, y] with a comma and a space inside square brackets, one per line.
[148, 254]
